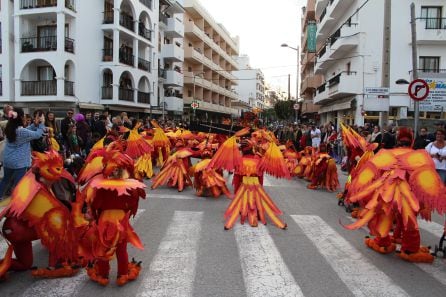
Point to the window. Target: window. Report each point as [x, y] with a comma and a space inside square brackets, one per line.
[431, 15]
[46, 73]
[429, 64]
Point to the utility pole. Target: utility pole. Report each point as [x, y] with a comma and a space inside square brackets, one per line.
[289, 86]
[413, 27]
[384, 115]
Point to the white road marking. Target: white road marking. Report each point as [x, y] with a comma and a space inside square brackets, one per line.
[433, 228]
[170, 196]
[172, 271]
[357, 272]
[63, 287]
[437, 269]
[264, 271]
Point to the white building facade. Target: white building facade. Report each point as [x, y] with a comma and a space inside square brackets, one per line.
[81, 54]
[171, 49]
[351, 53]
[251, 85]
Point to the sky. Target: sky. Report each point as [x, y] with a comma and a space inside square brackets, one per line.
[263, 25]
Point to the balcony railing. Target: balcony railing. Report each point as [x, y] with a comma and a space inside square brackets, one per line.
[162, 73]
[69, 45]
[39, 88]
[109, 17]
[144, 65]
[335, 36]
[39, 44]
[322, 51]
[1, 88]
[126, 58]
[127, 21]
[334, 80]
[107, 54]
[69, 88]
[126, 94]
[321, 88]
[29, 4]
[434, 23]
[147, 3]
[144, 97]
[144, 32]
[168, 93]
[107, 93]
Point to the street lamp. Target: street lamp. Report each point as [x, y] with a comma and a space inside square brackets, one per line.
[297, 76]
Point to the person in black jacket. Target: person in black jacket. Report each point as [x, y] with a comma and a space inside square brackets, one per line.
[388, 139]
[422, 140]
[99, 126]
[66, 123]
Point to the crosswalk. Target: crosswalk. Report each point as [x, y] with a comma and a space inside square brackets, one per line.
[172, 269]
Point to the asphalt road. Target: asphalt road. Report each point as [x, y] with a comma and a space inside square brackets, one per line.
[188, 253]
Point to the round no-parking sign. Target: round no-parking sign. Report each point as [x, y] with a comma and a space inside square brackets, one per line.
[418, 90]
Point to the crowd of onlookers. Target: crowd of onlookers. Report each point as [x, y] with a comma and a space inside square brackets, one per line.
[304, 135]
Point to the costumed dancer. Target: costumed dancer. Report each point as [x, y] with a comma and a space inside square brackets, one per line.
[161, 144]
[395, 186]
[36, 213]
[140, 150]
[251, 202]
[325, 173]
[112, 195]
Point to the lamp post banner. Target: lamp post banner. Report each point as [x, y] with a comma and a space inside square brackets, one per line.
[436, 100]
[311, 37]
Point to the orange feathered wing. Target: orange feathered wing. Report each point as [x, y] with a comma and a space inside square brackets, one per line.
[174, 173]
[273, 162]
[208, 179]
[228, 156]
[137, 145]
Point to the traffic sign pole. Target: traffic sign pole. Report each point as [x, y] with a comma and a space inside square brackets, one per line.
[413, 27]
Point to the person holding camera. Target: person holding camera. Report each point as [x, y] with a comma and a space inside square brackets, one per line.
[437, 150]
[17, 153]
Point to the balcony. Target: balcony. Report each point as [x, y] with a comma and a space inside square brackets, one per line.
[322, 60]
[194, 54]
[127, 21]
[69, 45]
[175, 28]
[174, 78]
[344, 40]
[143, 97]
[39, 88]
[337, 8]
[30, 4]
[321, 94]
[163, 18]
[173, 52]
[174, 103]
[126, 58]
[70, 5]
[310, 83]
[107, 55]
[126, 95]
[162, 73]
[1, 88]
[309, 107]
[107, 93]
[144, 65]
[144, 32]
[320, 5]
[69, 88]
[39, 44]
[147, 3]
[108, 17]
[324, 26]
[431, 31]
[344, 84]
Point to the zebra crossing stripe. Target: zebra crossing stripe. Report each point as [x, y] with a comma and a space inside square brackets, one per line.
[62, 287]
[172, 271]
[437, 270]
[358, 273]
[433, 228]
[264, 271]
[170, 196]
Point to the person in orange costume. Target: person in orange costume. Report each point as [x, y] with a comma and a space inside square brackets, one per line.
[325, 171]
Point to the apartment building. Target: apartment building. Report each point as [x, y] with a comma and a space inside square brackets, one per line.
[171, 48]
[209, 53]
[250, 87]
[6, 53]
[81, 54]
[309, 80]
[350, 58]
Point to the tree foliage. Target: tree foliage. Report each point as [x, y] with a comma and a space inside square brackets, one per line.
[284, 109]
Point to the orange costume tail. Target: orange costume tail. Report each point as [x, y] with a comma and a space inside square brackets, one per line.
[252, 202]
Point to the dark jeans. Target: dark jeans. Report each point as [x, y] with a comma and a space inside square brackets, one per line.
[11, 178]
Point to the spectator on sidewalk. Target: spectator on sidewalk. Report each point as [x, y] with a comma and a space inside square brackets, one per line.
[66, 123]
[422, 140]
[437, 150]
[315, 137]
[388, 139]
